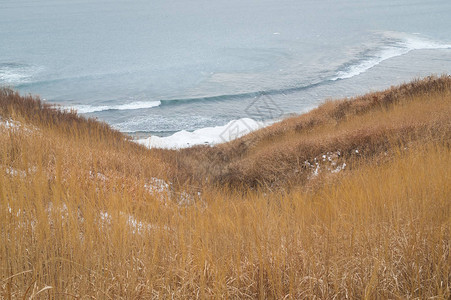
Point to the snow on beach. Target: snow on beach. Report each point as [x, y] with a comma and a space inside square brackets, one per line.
[204, 136]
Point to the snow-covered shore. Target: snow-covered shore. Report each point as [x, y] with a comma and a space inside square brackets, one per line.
[204, 136]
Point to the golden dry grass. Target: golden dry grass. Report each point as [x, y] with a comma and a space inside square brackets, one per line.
[83, 216]
[275, 156]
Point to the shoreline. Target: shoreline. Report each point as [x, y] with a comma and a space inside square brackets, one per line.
[368, 177]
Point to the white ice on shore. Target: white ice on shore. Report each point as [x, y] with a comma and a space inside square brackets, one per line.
[204, 136]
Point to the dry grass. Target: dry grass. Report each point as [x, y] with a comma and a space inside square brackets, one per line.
[79, 218]
[275, 156]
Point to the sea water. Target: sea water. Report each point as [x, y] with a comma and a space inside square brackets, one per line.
[165, 66]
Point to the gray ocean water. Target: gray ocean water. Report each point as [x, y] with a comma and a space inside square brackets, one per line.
[162, 66]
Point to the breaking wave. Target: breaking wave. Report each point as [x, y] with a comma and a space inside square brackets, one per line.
[84, 109]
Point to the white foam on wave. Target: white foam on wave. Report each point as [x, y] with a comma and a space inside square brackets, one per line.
[205, 136]
[403, 44]
[84, 109]
[14, 73]
[9, 77]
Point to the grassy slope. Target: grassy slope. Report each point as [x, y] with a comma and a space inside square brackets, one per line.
[77, 214]
[276, 156]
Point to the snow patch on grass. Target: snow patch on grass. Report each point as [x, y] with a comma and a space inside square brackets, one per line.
[328, 162]
[136, 226]
[12, 125]
[21, 173]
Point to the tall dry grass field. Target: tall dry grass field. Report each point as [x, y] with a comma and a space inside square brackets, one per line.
[351, 201]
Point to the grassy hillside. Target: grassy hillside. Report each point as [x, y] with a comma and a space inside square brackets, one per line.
[371, 124]
[351, 200]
